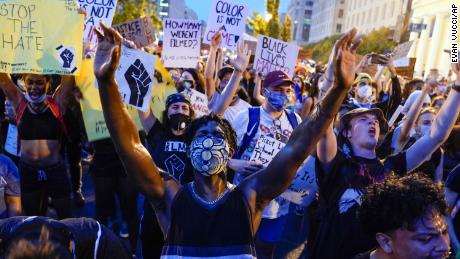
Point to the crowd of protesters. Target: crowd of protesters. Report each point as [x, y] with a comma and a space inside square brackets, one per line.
[384, 151]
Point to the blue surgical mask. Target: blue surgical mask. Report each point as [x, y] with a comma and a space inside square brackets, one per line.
[278, 101]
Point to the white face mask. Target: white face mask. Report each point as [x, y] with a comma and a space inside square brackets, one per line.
[35, 101]
[364, 91]
[443, 88]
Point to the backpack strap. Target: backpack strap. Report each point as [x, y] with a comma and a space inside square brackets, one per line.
[57, 113]
[253, 127]
[292, 119]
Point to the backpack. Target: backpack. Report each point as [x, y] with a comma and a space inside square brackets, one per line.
[253, 126]
[53, 107]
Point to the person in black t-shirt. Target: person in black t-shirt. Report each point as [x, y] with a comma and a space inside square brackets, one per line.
[344, 172]
[406, 218]
[452, 190]
[168, 147]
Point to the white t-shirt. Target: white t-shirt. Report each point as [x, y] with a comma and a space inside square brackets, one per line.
[269, 128]
[232, 110]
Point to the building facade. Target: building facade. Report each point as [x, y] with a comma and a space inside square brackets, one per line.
[328, 19]
[430, 33]
[301, 13]
[368, 15]
[176, 9]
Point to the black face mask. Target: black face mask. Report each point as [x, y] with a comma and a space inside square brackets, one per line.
[179, 121]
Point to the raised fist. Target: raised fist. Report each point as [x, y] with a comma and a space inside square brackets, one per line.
[67, 57]
[138, 80]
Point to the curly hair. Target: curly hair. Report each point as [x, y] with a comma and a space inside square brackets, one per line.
[399, 202]
[229, 132]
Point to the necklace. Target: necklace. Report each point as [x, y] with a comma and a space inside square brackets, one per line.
[228, 187]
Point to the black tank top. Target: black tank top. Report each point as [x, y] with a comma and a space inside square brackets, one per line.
[39, 126]
[201, 230]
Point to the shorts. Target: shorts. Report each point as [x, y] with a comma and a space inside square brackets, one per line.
[271, 230]
[54, 180]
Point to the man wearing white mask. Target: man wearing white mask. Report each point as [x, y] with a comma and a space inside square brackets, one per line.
[366, 96]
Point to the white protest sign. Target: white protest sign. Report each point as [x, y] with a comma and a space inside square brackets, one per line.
[181, 43]
[230, 18]
[198, 101]
[97, 11]
[303, 188]
[400, 54]
[266, 149]
[273, 54]
[11, 142]
[135, 76]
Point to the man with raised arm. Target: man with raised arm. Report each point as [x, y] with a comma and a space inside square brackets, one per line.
[348, 163]
[211, 217]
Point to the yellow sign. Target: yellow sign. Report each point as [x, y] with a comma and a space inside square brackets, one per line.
[164, 86]
[91, 107]
[93, 117]
[40, 36]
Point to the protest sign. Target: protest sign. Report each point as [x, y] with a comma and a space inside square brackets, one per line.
[303, 188]
[91, 107]
[266, 149]
[33, 41]
[164, 86]
[140, 31]
[400, 54]
[230, 18]
[273, 54]
[134, 76]
[97, 11]
[181, 43]
[11, 141]
[198, 100]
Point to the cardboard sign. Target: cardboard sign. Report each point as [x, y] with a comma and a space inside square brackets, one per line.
[181, 43]
[198, 100]
[400, 54]
[140, 31]
[230, 18]
[91, 107]
[32, 40]
[134, 76]
[96, 11]
[273, 54]
[303, 188]
[266, 149]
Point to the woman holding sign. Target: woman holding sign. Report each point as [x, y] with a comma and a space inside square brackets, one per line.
[40, 128]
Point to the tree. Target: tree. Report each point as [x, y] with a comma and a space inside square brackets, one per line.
[376, 41]
[128, 10]
[286, 29]
[257, 25]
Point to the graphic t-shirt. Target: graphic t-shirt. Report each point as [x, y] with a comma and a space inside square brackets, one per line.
[232, 110]
[270, 130]
[340, 233]
[169, 152]
[9, 182]
[453, 183]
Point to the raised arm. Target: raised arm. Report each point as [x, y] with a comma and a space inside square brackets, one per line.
[211, 65]
[276, 178]
[147, 119]
[239, 64]
[257, 93]
[440, 129]
[64, 91]
[409, 122]
[10, 89]
[136, 159]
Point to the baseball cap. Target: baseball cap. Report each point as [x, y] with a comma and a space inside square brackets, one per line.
[276, 78]
[362, 76]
